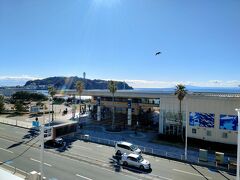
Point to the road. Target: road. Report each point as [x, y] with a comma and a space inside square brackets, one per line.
[89, 161]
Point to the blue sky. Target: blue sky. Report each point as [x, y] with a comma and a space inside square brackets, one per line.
[117, 39]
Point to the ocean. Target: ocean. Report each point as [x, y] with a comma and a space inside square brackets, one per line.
[233, 90]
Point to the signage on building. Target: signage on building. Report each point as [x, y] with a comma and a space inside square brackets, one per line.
[98, 101]
[129, 103]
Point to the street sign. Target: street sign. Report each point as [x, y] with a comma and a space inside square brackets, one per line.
[35, 124]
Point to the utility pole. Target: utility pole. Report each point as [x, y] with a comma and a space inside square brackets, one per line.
[42, 146]
[186, 124]
[238, 144]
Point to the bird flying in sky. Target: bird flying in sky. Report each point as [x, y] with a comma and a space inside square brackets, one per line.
[157, 53]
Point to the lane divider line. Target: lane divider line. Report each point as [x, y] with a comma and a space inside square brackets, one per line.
[77, 146]
[6, 150]
[40, 162]
[83, 177]
[186, 172]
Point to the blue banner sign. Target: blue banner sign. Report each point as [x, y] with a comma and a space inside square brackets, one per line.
[201, 119]
[228, 122]
[35, 123]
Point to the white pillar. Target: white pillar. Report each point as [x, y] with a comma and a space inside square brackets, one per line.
[161, 124]
[49, 107]
[186, 128]
[98, 109]
[129, 112]
[238, 144]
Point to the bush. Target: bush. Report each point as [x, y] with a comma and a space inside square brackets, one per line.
[57, 100]
[19, 107]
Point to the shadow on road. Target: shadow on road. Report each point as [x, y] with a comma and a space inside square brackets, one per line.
[67, 145]
[115, 163]
[199, 172]
[32, 133]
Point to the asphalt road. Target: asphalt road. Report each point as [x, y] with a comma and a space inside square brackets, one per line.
[83, 160]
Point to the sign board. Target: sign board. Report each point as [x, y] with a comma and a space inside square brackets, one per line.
[35, 124]
[129, 103]
[34, 109]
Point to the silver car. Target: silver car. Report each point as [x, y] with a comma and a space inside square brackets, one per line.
[135, 160]
[122, 147]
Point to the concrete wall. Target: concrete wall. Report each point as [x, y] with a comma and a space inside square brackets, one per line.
[16, 123]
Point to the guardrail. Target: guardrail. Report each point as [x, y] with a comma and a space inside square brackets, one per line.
[157, 152]
[16, 122]
[146, 150]
[15, 171]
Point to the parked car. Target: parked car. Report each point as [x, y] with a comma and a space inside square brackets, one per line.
[126, 147]
[135, 160]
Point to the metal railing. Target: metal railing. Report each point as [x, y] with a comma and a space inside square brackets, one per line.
[145, 150]
[157, 152]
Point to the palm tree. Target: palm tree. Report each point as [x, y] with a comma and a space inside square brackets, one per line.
[1, 104]
[181, 92]
[113, 89]
[52, 91]
[79, 88]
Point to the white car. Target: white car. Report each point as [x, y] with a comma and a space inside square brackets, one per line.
[135, 160]
[126, 147]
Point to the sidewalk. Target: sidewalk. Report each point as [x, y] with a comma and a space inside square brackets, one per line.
[143, 140]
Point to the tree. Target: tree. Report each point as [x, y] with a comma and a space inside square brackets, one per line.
[79, 88]
[112, 86]
[27, 96]
[52, 91]
[181, 92]
[1, 104]
[19, 106]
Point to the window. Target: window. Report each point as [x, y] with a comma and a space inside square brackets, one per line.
[122, 146]
[132, 159]
[224, 135]
[209, 133]
[194, 131]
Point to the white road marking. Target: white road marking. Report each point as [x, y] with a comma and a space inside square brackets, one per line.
[161, 177]
[164, 177]
[18, 132]
[82, 147]
[178, 170]
[40, 162]
[99, 146]
[83, 177]
[6, 150]
[6, 140]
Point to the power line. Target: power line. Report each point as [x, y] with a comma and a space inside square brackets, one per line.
[19, 155]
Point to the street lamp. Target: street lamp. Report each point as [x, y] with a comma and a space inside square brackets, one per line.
[186, 124]
[42, 145]
[238, 144]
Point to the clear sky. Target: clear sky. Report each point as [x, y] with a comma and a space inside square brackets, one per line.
[118, 39]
